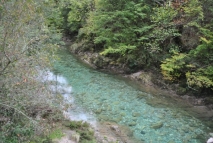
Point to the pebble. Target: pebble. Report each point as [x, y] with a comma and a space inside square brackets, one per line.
[142, 132]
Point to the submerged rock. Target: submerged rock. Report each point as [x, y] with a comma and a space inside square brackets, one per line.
[123, 114]
[135, 114]
[142, 132]
[132, 124]
[115, 128]
[104, 117]
[157, 125]
[98, 111]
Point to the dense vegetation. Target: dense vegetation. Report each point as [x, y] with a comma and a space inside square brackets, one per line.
[26, 46]
[172, 36]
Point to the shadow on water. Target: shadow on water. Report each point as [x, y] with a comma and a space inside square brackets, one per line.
[151, 114]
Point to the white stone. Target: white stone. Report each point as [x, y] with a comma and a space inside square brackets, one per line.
[210, 140]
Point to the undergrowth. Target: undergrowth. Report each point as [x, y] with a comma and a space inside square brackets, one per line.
[85, 131]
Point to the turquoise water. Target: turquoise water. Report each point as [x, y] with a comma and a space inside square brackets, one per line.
[113, 99]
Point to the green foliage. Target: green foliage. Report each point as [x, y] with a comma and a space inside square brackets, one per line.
[172, 67]
[159, 42]
[78, 125]
[121, 50]
[75, 124]
[140, 34]
[54, 17]
[83, 128]
[204, 51]
[78, 13]
[197, 66]
[164, 15]
[117, 29]
[193, 12]
[56, 134]
[202, 57]
[13, 132]
[25, 50]
[201, 78]
[86, 136]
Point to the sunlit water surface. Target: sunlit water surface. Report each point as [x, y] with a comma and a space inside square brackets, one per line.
[97, 96]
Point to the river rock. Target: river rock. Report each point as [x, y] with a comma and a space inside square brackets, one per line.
[98, 111]
[157, 125]
[109, 108]
[103, 117]
[142, 132]
[115, 128]
[116, 103]
[171, 142]
[123, 114]
[122, 107]
[132, 124]
[116, 120]
[185, 129]
[134, 119]
[187, 139]
[142, 76]
[135, 114]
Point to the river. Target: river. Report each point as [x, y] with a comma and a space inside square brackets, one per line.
[97, 96]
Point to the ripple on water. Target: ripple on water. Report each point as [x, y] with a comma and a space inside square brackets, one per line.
[111, 99]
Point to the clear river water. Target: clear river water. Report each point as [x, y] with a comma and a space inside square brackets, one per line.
[97, 96]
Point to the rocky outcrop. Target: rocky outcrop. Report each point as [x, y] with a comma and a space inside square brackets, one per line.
[98, 61]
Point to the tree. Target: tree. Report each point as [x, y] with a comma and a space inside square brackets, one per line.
[172, 36]
[24, 50]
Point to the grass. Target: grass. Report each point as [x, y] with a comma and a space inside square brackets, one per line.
[84, 129]
[56, 134]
